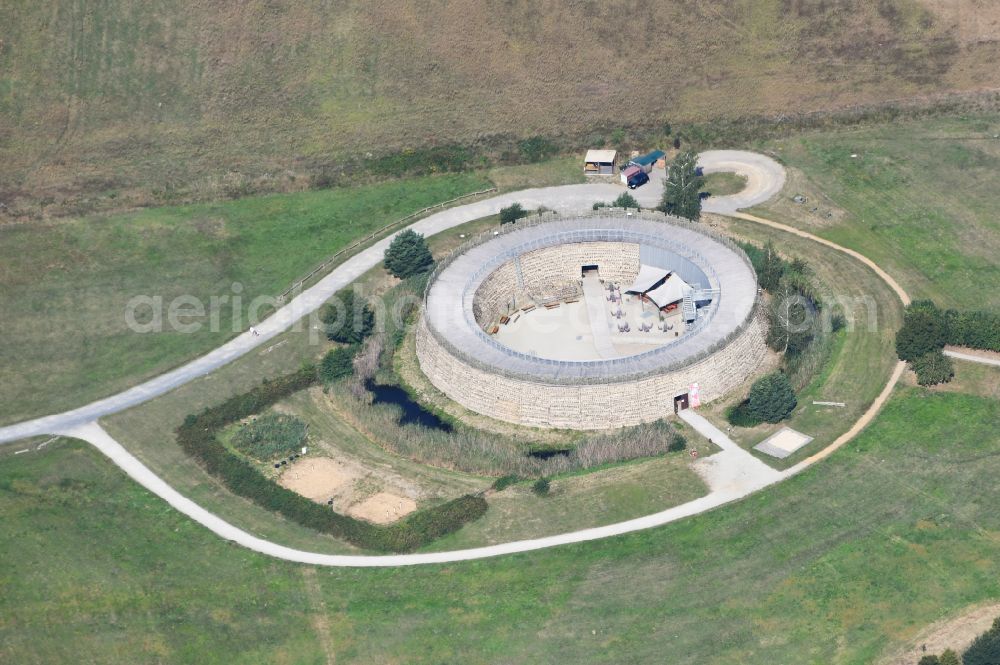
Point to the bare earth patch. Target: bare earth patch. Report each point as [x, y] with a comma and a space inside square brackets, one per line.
[322, 479]
[383, 508]
[316, 478]
[955, 633]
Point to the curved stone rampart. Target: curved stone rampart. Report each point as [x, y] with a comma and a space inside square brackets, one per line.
[589, 406]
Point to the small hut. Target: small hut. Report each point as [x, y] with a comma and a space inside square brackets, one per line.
[599, 162]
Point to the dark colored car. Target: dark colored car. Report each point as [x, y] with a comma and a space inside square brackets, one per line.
[638, 180]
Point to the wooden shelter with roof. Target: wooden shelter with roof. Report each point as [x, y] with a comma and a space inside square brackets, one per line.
[599, 162]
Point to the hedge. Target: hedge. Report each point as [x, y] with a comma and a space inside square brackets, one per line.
[927, 328]
[198, 437]
[976, 330]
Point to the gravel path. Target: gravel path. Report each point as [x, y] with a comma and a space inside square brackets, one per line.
[731, 474]
[983, 360]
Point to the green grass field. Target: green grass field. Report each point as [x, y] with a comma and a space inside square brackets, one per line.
[723, 184]
[833, 567]
[64, 287]
[853, 365]
[919, 198]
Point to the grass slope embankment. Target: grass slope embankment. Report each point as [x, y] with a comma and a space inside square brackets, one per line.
[916, 197]
[126, 103]
[64, 287]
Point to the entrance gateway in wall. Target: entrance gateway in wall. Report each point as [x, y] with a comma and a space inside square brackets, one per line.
[681, 402]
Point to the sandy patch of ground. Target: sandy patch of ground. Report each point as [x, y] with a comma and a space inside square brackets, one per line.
[316, 478]
[383, 508]
[353, 492]
[955, 633]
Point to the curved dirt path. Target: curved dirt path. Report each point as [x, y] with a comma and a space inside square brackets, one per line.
[726, 473]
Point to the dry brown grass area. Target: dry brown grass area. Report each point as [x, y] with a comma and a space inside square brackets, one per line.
[955, 633]
[133, 103]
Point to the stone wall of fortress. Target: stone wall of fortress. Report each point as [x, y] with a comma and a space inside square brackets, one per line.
[547, 272]
[599, 406]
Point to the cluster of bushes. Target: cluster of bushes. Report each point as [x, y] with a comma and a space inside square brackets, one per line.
[949, 657]
[984, 650]
[198, 437]
[793, 314]
[477, 451]
[271, 435]
[624, 200]
[536, 149]
[976, 330]
[337, 364]
[793, 308]
[771, 400]
[512, 213]
[925, 332]
[422, 161]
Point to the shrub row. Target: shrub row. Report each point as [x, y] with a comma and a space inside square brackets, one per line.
[976, 330]
[926, 330]
[198, 437]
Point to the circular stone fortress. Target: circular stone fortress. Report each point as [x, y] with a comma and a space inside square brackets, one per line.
[591, 321]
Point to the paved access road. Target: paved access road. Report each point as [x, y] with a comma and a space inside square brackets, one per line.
[730, 474]
[765, 178]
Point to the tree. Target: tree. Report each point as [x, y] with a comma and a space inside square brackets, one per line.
[682, 190]
[772, 398]
[512, 213]
[337, 363]
[771, 268]
[933, 368]
[408, 255]
[929, 659]
[985, 649]
[625, 200]
[791, 318]
[349, 319]
[923, 331]
[535, 149]
[949, 657]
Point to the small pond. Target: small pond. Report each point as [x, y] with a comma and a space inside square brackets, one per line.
[549, 453]
[413, 412]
